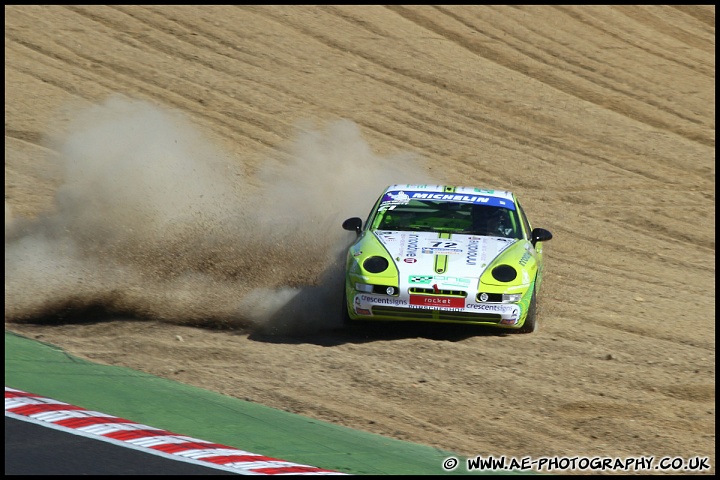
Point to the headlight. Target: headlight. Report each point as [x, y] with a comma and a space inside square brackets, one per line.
[511, 297]
[375, 264]
[504, 273]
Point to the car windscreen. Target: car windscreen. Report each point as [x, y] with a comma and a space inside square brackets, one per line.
[449, 217]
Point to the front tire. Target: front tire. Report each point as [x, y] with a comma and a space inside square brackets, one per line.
[530, 324]
[347, 322]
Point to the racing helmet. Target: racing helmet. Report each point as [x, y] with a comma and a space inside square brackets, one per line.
[488, 220]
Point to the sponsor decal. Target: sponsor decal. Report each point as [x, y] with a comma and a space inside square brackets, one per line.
[477, 253]
[461, 198]
[410, 260]
[441, 248]
[401, 245]
[459, 280]
[525, 258]
[472, 253]
[430, 307]
[363, 311]
[428, 301]
[382, 300]
[483, 255]
[423, 279]
[390, 200]
[446, 281]
[451, 197]
[441, 251]
[508, 321]
[412, 247]
[492, 308]
[386, 236]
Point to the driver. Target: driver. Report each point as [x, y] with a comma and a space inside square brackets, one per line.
[493, 221]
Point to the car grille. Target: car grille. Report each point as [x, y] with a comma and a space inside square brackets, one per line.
[423, 314]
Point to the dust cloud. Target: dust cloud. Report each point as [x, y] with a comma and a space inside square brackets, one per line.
[154, 221]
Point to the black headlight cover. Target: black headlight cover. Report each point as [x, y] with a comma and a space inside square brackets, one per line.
[376, 264]
[504, 273]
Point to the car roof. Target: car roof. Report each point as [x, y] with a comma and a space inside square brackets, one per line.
[452, 189]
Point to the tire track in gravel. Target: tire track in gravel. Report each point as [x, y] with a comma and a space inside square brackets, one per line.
[518, 58]
[179, 92]
[503, 129]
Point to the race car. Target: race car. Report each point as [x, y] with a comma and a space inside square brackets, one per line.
[444, 254]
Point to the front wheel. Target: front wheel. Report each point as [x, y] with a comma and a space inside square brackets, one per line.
[344, 315]
[530, 324]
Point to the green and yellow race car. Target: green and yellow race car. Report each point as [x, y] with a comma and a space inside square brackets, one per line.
[445, 254]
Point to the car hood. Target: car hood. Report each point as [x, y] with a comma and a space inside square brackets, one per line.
[451, 260]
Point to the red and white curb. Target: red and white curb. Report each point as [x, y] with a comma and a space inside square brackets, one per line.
[62, 416]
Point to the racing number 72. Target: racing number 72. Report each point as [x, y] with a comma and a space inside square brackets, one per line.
[444, 244]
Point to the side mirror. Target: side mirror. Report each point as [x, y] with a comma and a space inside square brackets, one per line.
[353, 224]
[540, 235]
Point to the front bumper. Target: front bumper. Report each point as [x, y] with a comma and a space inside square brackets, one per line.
[366, 306]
